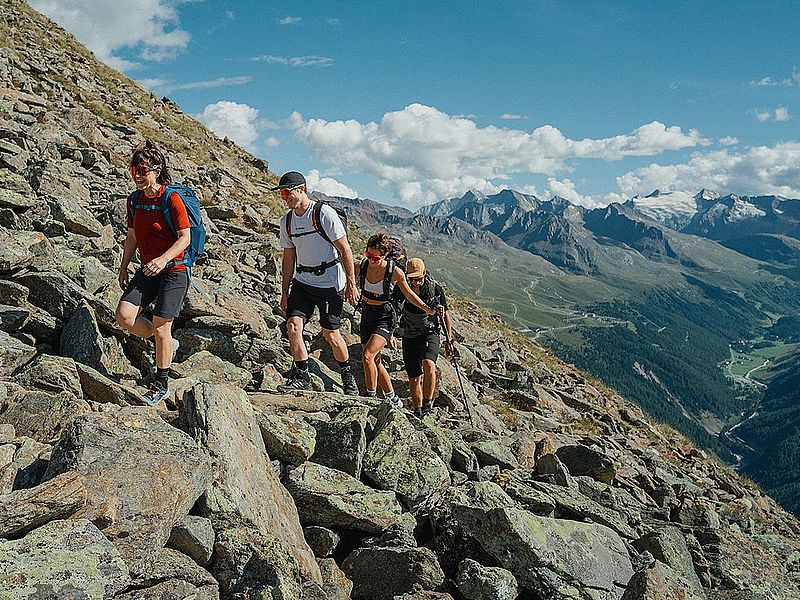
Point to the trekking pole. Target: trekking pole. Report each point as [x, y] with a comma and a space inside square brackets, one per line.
[449, 343]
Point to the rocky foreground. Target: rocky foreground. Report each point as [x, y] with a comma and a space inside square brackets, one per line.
[555, 488]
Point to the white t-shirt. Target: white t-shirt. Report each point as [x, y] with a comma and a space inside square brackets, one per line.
[312, 249]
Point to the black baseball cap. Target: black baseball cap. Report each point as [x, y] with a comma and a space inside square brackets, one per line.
[289, 180]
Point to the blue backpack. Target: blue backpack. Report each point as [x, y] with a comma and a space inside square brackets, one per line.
[192, 203]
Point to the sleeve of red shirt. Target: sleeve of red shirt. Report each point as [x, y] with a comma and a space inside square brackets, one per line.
[179, 215]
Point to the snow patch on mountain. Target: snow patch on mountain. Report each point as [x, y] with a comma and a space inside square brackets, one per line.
[673, 209]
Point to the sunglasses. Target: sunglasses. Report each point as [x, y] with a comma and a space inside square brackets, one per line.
[142, 170]
[373, 257]
[286, 191]
[417, 279]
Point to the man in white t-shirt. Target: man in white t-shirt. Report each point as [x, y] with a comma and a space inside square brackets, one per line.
[317, 273]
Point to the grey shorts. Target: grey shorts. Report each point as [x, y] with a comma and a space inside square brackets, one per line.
[167, 289]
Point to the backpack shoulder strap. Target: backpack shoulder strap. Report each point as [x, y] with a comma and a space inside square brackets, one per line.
[134, 199]
[289, 223]
[165, 207]
[387, 277]
[316, 221]
[362, 274]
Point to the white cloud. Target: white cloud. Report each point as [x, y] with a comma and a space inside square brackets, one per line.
[566, 189]
[513, 117]
[781, 113]
[295, 61]
[290, 20]
[328, 185]
[166, 87]
[333, 21]
[785, 82]
[728, 140]
[236, 121]
[148, 26]
[423, 154]
[272, 142]
[758, 170]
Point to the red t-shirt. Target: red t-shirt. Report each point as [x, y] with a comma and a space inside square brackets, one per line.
[153, 235]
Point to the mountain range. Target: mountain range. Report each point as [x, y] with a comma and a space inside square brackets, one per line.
[648, 295]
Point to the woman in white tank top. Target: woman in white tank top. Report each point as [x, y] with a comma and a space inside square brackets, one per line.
[378, 277]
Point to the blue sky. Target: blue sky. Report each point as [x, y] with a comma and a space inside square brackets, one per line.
[411, 102]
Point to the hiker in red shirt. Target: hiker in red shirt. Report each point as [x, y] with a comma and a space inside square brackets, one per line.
[158, 279]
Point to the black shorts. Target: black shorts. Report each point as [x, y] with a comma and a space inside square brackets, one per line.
[304, 298]
[378, 319]
[417, 349]
[167, 289]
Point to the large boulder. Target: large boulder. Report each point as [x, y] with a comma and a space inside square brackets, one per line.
[668, 546]
[211, 369]
[69, 210]
[13, 354]
[62, 559]
[383, 573]
[41, 415]
[582, 460]
[194, 536]
[52, 374]
[477, 582]
[341, 442]
[400, 458]
[23, 510]
[289, 439]
[659, 582]
[22, 249]
[334, 582]
[333, 498]
[244, 486]
[142, 476]
[549, 556]
[249, 563]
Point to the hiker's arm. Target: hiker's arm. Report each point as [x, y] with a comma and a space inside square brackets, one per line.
[287, 271]
[399, 280]
[128, 250]
[448, 324]
[159, 263]
[346, 258]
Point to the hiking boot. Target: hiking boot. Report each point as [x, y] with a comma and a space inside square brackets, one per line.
[393, 399]
[156, 393]
[417, 412]
[296, 381]
[349, 383]
[426, 408]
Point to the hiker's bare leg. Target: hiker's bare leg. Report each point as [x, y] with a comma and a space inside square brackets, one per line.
[369, 354]
[162, 329]
[415, 387]
[383, 376]
[129, 316]
[294, 330]
[428, 378]
[337, 344]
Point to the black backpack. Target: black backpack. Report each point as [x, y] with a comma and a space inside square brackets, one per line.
[426, 293]
[317, 228]
[315, 221]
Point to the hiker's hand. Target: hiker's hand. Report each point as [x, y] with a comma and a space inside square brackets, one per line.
[431, 311]
[351, 293]
[123, 279]
[448, 348]
[391, 343]
[155, 266]
[284, 303]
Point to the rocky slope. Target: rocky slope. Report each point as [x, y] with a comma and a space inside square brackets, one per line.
[533, 484]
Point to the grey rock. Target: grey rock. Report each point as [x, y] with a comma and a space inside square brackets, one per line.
[288, 439]
[335, 583]
[99, 388]
[341, 442]
[493, 452]
[400, 458]
[172, 589]
[332, 498]
[52, 374]
[60, 296]
[13, 318]
[194, 536]
[76, 218]
[244, 486]
[668, 545]
[477, 582]
[252, 564]
[659, 582]
[323, 541]
[581, 460]
[550, 555]
[171, 564]
[550, 464]
[138, 494]
[62, 559]
[13, 294]
[13, 354]
[211, 369]
[23, 249]
[24, 510]
[42, 415]
[383, 573]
